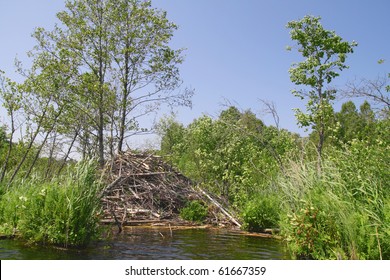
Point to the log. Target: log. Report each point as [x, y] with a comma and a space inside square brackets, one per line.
[220, 208]
[150, 174]
[130, 222]
[111, 185]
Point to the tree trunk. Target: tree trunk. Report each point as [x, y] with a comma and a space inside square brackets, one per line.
[51, 153]
[5, 165]
[101, 139]
[125, 94]
[68, 152]
[43, 143]
[37, 155]
[321, 135]
[16, 171]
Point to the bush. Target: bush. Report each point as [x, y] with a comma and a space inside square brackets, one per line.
[260, 213]
[195, 211]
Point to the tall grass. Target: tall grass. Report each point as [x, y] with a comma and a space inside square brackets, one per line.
[341, 212]
[63, 211]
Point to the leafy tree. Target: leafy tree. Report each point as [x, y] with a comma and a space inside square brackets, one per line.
[369, 122]
[234, 156]
[145, 67]
[325, 53]
[11, 98]
[348, 119]
[172, 134]
[3, 136]
[351, 124]
[121, 64]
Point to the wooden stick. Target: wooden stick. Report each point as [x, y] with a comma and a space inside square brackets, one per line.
[220, 207]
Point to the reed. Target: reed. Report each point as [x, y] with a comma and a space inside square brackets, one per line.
[62, 212]
[327, 215]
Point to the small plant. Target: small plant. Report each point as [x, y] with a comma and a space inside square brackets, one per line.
[195, 211]
[260, 213]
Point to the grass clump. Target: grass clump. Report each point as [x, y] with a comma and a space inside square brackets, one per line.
[62, 212]
[194, 211]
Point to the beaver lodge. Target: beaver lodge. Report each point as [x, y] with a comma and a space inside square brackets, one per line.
[144, 189]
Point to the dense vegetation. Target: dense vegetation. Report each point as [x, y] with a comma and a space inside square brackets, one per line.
[109, 62]
[106, 64]
[328, 193]
[271, 178]
[62, 211]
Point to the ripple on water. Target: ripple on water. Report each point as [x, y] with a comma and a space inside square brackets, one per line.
[159, 244]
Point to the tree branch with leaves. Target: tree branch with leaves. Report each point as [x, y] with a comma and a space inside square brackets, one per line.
[325, 54]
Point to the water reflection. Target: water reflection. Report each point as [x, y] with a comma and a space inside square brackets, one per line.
[158, 244]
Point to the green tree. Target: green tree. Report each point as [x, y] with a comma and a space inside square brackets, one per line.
[348, 119]
[3, 136]
[234, 156]
[351, 124]
[123, 68]
[369, 122]
[325, 53]
[144, 65]
[172, 136]
[11, 99]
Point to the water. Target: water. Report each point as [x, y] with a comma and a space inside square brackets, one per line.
[158, 244]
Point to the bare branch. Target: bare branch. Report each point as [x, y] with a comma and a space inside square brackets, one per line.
[269, 108]
[374, 90]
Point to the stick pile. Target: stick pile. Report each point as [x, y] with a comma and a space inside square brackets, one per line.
[144, 188]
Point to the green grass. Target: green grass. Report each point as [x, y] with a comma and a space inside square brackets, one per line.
[62, 212]
[328, 215]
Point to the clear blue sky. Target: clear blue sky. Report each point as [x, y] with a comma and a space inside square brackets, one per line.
[235, 49]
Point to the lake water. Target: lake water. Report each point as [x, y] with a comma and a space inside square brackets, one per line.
[158, 244]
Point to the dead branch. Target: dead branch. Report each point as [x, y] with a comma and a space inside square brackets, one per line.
[143, 187]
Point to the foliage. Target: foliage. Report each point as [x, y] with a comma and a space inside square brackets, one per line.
[3, 136]
[107, 64]
[234, 156]
[194, 211]
[325, 53]
[261, 212]
[351, 124]
[62, 211]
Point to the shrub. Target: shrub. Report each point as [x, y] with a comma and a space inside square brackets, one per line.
[194, 211]
[260, 213]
